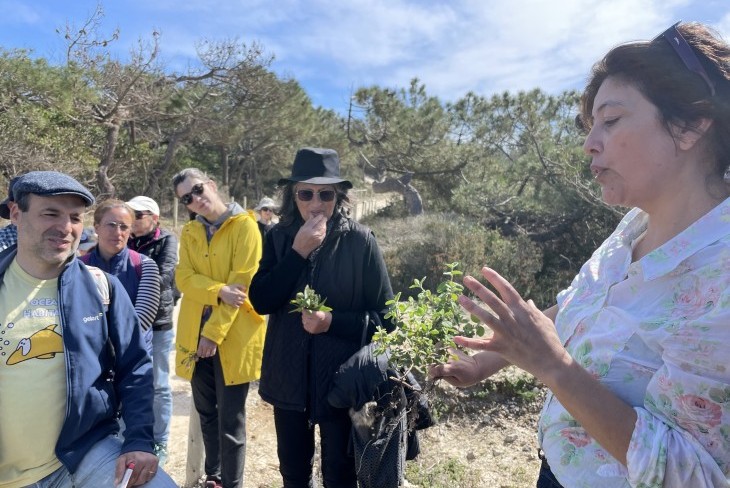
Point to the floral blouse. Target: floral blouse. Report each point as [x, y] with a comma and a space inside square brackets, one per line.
[656, 332]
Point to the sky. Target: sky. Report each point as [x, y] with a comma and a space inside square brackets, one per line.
[334, 47]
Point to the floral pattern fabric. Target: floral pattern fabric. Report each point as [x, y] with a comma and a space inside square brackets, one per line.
[656, 332]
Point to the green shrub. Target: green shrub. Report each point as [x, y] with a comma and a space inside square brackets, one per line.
[423, 246]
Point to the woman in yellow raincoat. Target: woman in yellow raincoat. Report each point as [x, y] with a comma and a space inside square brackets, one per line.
[219, 337]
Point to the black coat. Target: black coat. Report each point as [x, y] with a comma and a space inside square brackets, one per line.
[349, 272]
[161, 246]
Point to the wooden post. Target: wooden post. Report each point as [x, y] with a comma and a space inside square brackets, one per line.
[194, 469]
[196, 451]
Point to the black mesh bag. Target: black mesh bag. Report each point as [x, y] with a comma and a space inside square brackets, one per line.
[380, 448]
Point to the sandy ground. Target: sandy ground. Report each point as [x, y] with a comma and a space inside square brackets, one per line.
[489, 437]
[495, 441]
[261, 463]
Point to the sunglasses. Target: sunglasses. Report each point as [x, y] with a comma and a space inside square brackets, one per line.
[686, 54]
[307, 195]
[196, 190]
[265, 209]
[141, 215]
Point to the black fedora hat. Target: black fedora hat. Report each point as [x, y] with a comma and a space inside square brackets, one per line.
[317, 166]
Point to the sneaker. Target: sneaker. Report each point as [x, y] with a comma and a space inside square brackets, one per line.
[213, 482]
[161, 453]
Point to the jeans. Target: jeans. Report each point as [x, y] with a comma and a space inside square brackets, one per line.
[222, 411]
[295, 447]
[97, 470]
[161, 347]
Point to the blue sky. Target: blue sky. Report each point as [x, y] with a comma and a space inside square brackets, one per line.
[333, 47]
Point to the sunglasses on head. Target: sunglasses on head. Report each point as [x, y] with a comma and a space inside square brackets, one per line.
[140, 215]
[323, 195]
[196, 190]
[686, 54]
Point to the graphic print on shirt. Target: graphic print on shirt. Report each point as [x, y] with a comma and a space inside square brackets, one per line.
[42, 341]
[44, 344]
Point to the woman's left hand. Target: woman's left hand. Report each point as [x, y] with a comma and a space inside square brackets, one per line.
[316, 322]
[523, 335]
[206, 348]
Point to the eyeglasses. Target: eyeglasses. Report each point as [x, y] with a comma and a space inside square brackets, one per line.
[196, 190]
[686, 54]
[113, 226]
[141, 215]
[324, 195]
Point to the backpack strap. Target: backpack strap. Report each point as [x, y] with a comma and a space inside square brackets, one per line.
[101, 279]
[134, 256]
[102, 285]
[136, 259]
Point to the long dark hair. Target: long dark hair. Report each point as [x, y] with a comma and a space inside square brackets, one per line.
[289, 213]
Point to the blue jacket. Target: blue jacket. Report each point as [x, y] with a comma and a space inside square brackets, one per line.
[92, 399]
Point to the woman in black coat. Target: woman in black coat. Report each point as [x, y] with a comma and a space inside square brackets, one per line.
[315, 244]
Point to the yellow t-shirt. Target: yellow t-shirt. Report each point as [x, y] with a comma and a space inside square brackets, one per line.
[32, 378]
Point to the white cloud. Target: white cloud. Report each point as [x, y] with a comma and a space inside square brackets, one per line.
[334, 46]
[459, 46]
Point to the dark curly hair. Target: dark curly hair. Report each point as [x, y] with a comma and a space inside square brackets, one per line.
[681, 96]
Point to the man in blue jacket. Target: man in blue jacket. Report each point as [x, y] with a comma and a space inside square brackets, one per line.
[69, 360]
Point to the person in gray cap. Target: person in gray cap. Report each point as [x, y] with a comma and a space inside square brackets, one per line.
[317, 244]
[9, 233]
[266, 208]
[150, 239]
[72, 353]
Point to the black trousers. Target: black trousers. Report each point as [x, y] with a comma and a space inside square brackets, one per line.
[547, 478]
[295, 446]
[222, 411]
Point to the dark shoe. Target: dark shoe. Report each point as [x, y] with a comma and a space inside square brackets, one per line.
[213, 482]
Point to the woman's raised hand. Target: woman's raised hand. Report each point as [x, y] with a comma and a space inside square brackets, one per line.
[310, 235]
[523, 335]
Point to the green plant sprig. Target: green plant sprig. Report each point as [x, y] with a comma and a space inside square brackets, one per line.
[309, 300]
[426, 325]
[191, 357]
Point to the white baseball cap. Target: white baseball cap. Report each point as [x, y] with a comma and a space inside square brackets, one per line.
[144, 204]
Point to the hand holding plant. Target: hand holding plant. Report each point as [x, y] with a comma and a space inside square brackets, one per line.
[426, 325]
[309, 300]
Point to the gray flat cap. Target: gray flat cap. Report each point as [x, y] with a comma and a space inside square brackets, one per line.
[50, 183]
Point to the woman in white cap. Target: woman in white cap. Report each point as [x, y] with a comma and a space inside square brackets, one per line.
[161, 246]
[266, 209]
[316, 244]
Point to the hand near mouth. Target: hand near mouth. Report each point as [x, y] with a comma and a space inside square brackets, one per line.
[310, 235]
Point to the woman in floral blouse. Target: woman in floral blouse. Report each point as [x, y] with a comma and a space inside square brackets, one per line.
[635, 353]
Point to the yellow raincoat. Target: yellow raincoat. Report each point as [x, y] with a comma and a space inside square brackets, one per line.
[232, 257]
